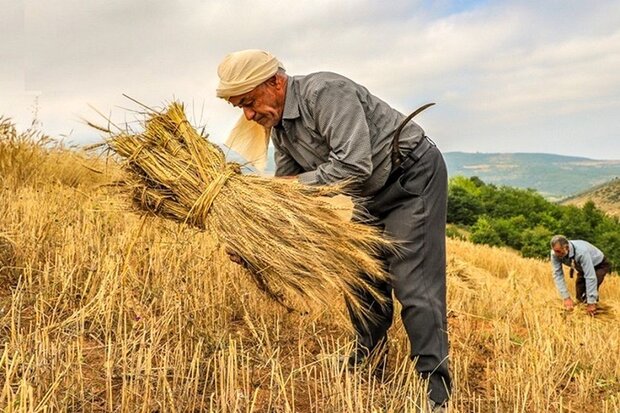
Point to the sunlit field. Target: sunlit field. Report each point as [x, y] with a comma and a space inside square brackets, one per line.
[105, 310]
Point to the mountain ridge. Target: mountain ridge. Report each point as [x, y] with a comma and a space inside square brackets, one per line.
[554, 176]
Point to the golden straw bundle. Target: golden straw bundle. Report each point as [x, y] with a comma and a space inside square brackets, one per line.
[290, 239]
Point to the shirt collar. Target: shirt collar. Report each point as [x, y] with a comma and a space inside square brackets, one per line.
[291, 101]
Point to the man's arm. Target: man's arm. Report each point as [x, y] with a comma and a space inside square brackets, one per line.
[340, 119]
[558, 277]
[589, 273]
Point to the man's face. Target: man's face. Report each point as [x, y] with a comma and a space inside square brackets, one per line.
[264, 104]
[560, 251]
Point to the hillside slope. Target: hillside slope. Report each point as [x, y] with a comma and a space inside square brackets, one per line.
[104, 310]
[605, 196]
[554, 176]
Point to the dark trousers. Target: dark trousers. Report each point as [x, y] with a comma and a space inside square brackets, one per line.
[412, 210]
[601, 271]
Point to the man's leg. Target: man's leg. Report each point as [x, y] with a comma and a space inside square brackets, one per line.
[417, 218]
[602, 270]
[371, 328]
[580, 288]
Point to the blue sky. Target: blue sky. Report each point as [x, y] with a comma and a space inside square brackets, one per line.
[507, 76]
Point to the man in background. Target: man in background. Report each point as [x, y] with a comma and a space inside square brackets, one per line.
[589, 263]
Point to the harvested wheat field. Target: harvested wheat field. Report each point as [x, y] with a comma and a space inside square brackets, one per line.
[105, 310]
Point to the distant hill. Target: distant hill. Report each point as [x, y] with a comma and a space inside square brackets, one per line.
[605, 196]
[554, 176]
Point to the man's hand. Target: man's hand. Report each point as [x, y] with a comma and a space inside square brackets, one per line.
[591, 309]
[569, 304]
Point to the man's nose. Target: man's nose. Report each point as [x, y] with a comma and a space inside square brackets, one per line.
[249, 113]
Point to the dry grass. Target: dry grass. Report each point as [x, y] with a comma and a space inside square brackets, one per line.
[31, 157]
[105, 311]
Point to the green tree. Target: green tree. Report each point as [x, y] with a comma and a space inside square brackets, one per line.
[483, 232]
[524, 220]
[536, 242]
[573, 224]
[464, 207]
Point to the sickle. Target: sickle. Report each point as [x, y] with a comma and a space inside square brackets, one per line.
[396, 159]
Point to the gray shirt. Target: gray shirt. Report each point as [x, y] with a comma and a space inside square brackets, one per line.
[333, 129]
[587, 256]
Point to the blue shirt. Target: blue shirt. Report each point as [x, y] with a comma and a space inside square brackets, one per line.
[587, 256]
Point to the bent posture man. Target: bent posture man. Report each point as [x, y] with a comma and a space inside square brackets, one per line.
[590, 264]
[326, 128]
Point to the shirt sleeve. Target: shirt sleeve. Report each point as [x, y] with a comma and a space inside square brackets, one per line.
[558, 276]
[340, 119]
[590, 276]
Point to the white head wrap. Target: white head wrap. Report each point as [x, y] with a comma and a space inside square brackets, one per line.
[239, 73]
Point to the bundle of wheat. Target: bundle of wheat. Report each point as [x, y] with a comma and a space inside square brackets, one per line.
[289, 238]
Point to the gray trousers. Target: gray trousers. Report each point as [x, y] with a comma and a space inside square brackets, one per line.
[412, 210]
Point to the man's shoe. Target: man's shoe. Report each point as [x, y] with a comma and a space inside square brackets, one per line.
[376, 361]
[357, 358]
[434, 407]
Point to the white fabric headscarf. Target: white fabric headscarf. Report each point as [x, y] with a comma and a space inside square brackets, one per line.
[239, 73]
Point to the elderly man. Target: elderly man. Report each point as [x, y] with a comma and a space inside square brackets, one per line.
[591, 266]
[325, 129]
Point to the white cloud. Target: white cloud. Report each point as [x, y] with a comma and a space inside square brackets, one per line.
[507, 75]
